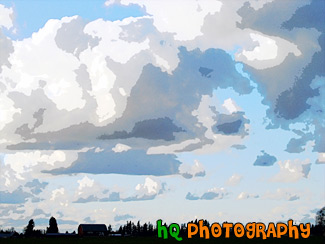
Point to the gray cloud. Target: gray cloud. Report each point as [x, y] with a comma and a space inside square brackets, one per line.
[36, 186]
[15, 197]
[215, 193]
[239, 147]
[231, 124]
[190, 196]
[6, 48]
[153, 129]
[112, 197]
[90, 198]
[265, 159]
[71, 38]
[289, 87]
[134, 162]
[5, 210]
[160, 106]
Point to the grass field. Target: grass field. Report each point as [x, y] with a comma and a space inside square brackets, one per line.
[122, 240]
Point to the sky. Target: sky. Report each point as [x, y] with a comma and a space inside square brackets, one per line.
[121, 110]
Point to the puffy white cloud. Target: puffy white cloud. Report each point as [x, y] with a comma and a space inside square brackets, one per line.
[19, 167]
[150, 187]
[57, 193]
[231, 106]
[85, 182]
[6, 15]
[192, 170]
[109, 32]
[7, 110]
[121, 148]
[321, 158]
[22, 162]
[60, 87]
[172, 16]
[244, 195]
[292, 170]
[234, 180]
[267, 48]
[270, 51]
[100, 70]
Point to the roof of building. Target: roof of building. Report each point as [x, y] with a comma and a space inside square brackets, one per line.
[93, 227]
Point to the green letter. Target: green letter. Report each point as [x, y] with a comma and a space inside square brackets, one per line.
[161, 228]
[176, 232]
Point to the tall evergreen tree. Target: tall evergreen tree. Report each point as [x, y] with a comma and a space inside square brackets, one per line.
[53, 226]
[28, 230]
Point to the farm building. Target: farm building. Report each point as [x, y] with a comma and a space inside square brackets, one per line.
[92, 230]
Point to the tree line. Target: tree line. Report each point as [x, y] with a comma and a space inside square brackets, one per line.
[138, 229]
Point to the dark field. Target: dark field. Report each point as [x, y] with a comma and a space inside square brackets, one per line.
[122, 240]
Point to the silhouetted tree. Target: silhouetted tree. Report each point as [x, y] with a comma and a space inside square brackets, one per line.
[109, 229]
[320, 217]
[319, 228]
[150, 228]
[145, 229]
[53, 226]
[138, 228]
[28, 230]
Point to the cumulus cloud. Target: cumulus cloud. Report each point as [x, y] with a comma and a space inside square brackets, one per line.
[231, 106]
[6, 17]
[234, 180]
[321, 158]
[133, 95]
[147, 191]
[245, 195]
[188, 171]
[19, 168]
[292, 170]
[89, 191]
[121, 148]
[173, 17]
